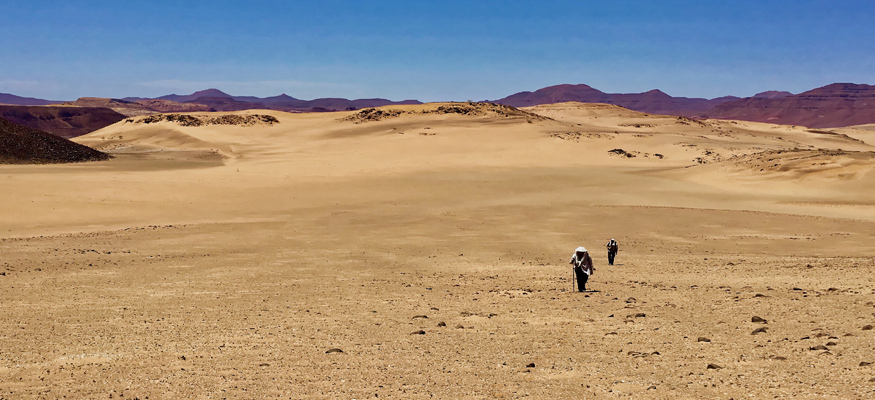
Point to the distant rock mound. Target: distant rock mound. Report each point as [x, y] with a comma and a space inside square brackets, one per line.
[20, 144]
[836, 105]
[194, 120]
[228, 104]
[167, 106]
[469, 109]
[772, 94]
[63, 121]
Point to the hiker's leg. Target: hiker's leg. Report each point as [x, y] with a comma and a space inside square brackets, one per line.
[583, 282]
[581, 279]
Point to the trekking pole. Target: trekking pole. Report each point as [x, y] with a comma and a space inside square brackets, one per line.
[573, 280]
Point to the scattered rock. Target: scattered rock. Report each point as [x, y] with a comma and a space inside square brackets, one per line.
[778, 358]
[264, 365]
[334, 350]
[867, 328]
[703, 339]
[531, 365]
[758, 320]
[818, 347]
[623, 153]
[419, 332]
[865, 364]
[640, 315]
[420, 316]
[631, 300]
[442, 323]
[831, 343]
[191, 120]
[460, 327]
[714, 366]
[652, 387]
[759, 330]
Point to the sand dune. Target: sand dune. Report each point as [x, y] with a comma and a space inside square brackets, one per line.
[429, 244]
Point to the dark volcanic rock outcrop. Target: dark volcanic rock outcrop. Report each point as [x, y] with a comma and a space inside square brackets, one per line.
[835, 105]
[64, 121]
[20, 144]
[203, 120]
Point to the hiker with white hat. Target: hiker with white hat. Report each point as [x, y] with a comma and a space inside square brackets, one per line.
[613, 247]
[582, 267]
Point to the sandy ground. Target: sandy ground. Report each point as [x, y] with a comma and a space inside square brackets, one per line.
[226, 261]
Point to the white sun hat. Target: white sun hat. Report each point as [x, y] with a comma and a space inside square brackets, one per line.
[580, 250]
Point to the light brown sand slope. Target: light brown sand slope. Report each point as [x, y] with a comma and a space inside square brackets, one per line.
[224, 261]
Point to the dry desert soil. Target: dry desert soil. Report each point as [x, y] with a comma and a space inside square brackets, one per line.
[421, 251]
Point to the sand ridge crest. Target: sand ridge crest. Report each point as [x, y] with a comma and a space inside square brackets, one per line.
[468, 109]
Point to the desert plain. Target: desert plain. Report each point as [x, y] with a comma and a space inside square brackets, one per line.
[422, 251]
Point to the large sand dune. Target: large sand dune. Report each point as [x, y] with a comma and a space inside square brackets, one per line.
[429, 243]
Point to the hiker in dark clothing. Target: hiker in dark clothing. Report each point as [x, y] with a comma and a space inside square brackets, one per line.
[613, 247]
[582, 267]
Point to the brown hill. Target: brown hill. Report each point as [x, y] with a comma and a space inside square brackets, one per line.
[6, 98]
[654, 101]
[124, 107]
[64, 121]
[139, 107]
[20, 144]
[835, 105]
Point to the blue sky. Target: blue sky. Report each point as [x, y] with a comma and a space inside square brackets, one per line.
[430, 50]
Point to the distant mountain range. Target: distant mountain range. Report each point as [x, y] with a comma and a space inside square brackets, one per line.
[11, 99]
[654, 101]
[835, 105]
[218, 100]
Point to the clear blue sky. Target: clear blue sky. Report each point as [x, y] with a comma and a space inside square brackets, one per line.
[430, 50]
